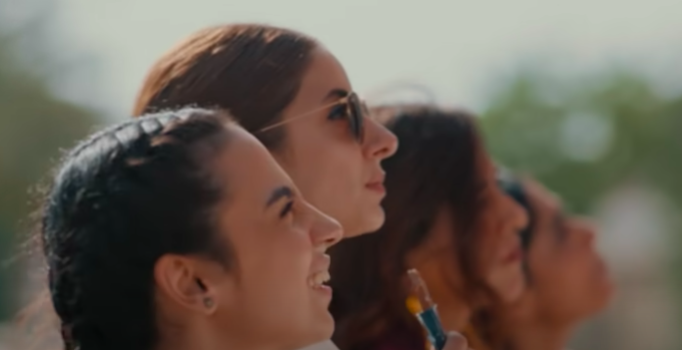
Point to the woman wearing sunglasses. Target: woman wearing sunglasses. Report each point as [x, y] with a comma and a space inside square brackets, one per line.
[295, 97]
[179, 231]
[567, 280]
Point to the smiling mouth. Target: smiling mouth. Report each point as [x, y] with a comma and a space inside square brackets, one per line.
[319, 280]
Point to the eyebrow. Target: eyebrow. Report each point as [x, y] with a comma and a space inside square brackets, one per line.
[279, 193]
[558, 223]
[335, 93]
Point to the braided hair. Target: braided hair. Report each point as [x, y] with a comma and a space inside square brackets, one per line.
[120, 200]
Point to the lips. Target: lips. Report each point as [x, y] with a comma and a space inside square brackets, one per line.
[377, 187]
[377, 183]
[512, 253]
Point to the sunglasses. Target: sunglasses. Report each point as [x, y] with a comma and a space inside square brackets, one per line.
[355, 111]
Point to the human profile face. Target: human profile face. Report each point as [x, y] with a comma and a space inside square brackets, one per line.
[273, 295]
[336, 172]
[567, 277]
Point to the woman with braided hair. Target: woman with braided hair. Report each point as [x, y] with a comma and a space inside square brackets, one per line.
[179, 231]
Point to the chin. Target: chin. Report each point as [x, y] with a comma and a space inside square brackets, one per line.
[375, 222]
[370, 220]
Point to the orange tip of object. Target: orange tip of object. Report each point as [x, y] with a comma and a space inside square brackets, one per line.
[413, 305]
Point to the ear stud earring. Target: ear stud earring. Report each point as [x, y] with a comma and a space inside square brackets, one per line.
[208, 302]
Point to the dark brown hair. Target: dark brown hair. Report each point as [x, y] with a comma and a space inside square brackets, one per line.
[435, 166]
[119, 201]
[253, 71]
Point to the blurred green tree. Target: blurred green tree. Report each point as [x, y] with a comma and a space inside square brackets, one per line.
[34, 126]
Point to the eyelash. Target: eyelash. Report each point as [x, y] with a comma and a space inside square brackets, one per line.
[338, 112]
[287, 209]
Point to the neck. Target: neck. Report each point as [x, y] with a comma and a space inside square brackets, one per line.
[454, 313]
[539, 335]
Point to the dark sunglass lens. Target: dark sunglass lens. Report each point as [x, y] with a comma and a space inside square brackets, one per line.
[356, 117]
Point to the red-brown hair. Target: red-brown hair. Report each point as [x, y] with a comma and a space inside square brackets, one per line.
[253, 71]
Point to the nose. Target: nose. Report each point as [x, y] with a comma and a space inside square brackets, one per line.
[324, 231]
[517, 214]
[379, 143]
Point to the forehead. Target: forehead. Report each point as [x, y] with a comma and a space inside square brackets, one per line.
[249, 172]
[325, 73]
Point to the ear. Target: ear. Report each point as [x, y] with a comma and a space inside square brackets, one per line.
[191, 282]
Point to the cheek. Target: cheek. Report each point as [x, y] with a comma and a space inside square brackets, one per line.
[569, 287]
[273, 293]
[273, 284]
[319, 146]
[589, 272]
[576, 266]
[325, 169]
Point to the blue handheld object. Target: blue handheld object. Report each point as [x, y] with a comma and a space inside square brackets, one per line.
[434, 329]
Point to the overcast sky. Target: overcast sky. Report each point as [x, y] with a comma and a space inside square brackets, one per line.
[460, 49]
